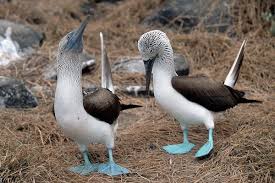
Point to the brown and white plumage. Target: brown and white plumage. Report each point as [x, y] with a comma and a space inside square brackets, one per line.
[85, 122]
[213, 95]
[191, 100]
[210, 94]
[103, 104]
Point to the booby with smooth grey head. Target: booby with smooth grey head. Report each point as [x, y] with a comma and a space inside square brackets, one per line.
[191, 100]
[94, 123]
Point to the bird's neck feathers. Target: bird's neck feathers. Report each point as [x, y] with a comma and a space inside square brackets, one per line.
[69, 70]
[164, 63]
[69, 65]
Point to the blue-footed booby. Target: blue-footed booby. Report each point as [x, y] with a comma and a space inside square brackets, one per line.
[92, 120]
[191, 100]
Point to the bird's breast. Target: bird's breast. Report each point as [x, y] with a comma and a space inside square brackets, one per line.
[177, 105]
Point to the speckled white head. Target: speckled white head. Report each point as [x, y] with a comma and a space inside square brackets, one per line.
[156, 52]
[152, 43]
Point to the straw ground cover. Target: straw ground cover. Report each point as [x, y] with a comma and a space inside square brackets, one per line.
[34, 149]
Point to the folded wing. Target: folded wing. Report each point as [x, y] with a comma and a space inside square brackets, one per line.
[210, 94]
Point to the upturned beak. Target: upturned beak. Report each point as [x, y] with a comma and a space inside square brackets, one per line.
[148, 64]
[75, 41]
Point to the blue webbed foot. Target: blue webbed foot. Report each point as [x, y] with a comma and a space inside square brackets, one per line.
[182, 148]
[84, 169]
[204, 150]
[112, 169]
[179, 148]
[207, 147]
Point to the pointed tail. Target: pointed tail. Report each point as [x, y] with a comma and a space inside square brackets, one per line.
[244, 100]
[233, 74]
[128, 106]
[106, 74]
[239, 96]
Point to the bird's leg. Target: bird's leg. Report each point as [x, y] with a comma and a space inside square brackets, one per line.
[207, 147]
[111, 168]
[87, 167]
[182, 148]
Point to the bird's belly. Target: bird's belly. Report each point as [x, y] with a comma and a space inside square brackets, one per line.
[75, 122]
[85, 129]
[183, 110]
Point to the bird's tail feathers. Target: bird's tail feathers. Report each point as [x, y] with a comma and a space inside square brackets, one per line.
[240, 96]
[106, 74]
[244, 100]
[129, 106]
[233, 74]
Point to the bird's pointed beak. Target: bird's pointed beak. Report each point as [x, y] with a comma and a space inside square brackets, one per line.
[148, 64]
[75, 41]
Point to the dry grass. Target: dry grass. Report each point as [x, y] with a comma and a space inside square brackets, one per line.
[33, 149]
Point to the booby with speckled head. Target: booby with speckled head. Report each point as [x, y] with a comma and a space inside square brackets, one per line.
[191, 100]
[92, 120]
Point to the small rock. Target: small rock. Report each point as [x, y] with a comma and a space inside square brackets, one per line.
[181, 65]
[14, 94]
[9, 49]
[152, 146]
[90, 89]
[22, 34]
[88, 8]
[137, 91]
[5, 1]
[88, 64]
[214, 16]
[272, 28]
[131, 65]
[135, 65]
[17, 42]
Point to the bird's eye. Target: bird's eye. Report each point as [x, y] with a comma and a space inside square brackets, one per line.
[69, 36]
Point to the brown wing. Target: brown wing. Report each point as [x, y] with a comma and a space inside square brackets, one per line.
[210, 94]
[103, 105]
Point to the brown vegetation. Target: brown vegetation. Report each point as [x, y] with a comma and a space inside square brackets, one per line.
[33, 148]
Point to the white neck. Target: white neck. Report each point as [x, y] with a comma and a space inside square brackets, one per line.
[68, 94]
[163, 68]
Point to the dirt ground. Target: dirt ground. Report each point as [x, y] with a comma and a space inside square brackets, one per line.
[34, 149]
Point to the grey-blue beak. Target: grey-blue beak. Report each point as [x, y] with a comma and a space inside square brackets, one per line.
[148, 64]
[75, 41]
